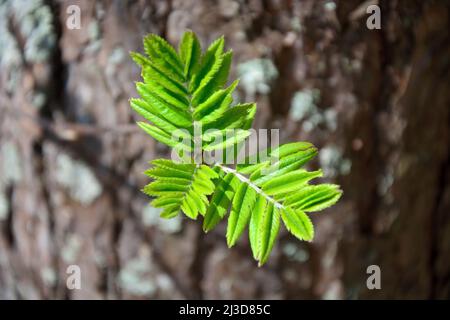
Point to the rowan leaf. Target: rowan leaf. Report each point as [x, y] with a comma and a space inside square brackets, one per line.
[184, 98]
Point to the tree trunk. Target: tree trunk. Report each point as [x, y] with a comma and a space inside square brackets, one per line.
[375, 102]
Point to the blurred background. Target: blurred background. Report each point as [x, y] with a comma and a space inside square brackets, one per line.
[376, 103]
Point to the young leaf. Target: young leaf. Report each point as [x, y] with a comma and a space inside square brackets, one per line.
[220, 201]
[298, 223]
[190, 52]
[289, 182]
[314, 198]
[240, 213]
[164, 56]
[184, 91]
[268, 231]
[254, 230]
[162, 136]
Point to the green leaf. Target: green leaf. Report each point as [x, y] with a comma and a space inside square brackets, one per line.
[146, 111]
[268, 231]
[254, 230]
[183, 185]
[240, 213]
[289, 182]
[176, 116]
[159, 188]
[291, 148]
[314, 198]
[220, 201]
[298, 223]
[195, 200]
[152, 74]
[165, 94]
[162, 136]
[288, 157]
[215, 105]
[209, 66]
[170, 212]
[165, 201]
[226, 138]
[174, 168]
[140, 60]
[183, 96]
[189, 207]
[235, 117]
[217, 80]
[164, 56]
[286, 163]
[221, 77]
[190, 52]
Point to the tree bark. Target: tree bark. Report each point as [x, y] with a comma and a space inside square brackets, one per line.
[375, 102]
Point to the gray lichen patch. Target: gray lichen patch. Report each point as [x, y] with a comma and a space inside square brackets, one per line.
[95, 37]
[36, 26]
[11, 171]
[34, 22]
[333, 161]
[385, 182]
[9, 49]
[256, 76]
[330, 5]
[34, 19]
[136, 276]
[94, 30]
[304, 103]
[39, 99]
[117, 56]
[150, 217]
[71, 248]
[296, 24]
[295, 252]
[304, 107]
[334, 291]
[48, 276]
[77, 179]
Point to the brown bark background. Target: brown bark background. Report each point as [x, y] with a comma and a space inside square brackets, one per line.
[376, 102]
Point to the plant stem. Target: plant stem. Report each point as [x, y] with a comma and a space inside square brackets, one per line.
[251, 184]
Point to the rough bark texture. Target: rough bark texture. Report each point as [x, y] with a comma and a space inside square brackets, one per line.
[375, 101]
